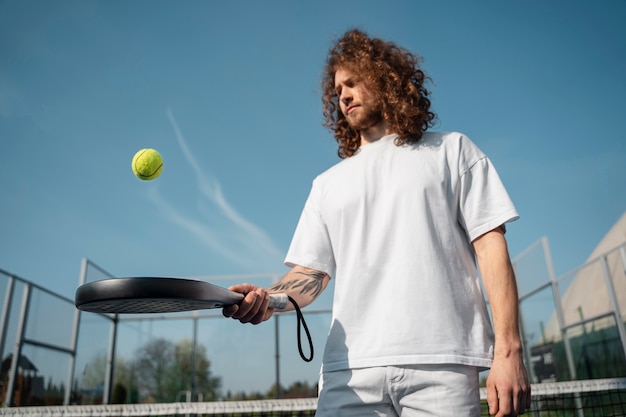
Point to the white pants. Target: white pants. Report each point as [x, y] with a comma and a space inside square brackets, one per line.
[404, 391]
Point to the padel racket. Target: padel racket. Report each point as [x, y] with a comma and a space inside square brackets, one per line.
[158, 295]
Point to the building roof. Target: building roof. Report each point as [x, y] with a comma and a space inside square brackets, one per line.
[587, 295]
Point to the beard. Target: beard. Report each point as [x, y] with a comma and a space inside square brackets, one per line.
[365, 117]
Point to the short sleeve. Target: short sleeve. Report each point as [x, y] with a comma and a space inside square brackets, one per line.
[484, 203]
[311, 246]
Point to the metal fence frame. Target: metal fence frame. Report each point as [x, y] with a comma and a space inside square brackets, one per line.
[553, 283]
[21, 340]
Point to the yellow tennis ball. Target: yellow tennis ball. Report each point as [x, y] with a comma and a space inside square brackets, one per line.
[147, 164]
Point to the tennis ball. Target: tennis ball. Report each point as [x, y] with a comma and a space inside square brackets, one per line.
[147, 164]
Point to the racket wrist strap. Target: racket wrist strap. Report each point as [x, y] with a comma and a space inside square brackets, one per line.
[301, 324]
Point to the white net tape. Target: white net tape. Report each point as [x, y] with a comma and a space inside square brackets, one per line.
[166, 409]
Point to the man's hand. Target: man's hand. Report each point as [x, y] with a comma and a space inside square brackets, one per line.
[253, 308]
[508, 389]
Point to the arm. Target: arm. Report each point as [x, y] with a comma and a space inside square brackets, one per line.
[508, 389]
[302, 284]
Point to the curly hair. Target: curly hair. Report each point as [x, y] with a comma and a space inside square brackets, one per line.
[393, 76]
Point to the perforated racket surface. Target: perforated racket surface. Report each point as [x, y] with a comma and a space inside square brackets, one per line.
[144, 295]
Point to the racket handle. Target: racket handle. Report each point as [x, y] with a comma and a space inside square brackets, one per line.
[278, 300]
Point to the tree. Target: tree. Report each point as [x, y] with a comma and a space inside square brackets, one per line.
[205, 384]
[165, 370]
[298, 389]
[91, 385]
[93, 373]
[153, 368]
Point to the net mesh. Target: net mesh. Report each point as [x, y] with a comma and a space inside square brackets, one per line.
[597, 397]
[594, 397]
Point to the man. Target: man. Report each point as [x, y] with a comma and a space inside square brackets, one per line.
[399, 224]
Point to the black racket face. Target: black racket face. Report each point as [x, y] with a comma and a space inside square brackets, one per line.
[151, 295]
[146, 306]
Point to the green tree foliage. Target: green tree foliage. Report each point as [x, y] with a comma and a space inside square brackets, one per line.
[93, 373]
[153, 367]
[164, 371]
[205, 384]
[91, 384]
[120, 394]
[161, 371]
[298, 389]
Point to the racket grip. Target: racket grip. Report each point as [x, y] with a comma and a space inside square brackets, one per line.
[278, 300]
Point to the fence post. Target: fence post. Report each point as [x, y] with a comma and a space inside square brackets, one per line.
[6, 312]
[559, 310]
[74, 341]
[17, 351]
[277, 394]
[614, 303]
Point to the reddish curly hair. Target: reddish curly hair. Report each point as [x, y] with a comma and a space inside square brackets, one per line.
[392, 74]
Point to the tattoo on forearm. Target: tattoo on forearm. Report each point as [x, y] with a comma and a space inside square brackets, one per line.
[310, 284]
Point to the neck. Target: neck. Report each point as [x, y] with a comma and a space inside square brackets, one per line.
[372, 134]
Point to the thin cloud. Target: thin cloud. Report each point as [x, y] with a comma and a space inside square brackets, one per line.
[197, 228]
[233, 237]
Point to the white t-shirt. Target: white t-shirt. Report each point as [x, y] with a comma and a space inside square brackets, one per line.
[393, 225]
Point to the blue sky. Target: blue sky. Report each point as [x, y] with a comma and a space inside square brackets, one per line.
[228, 92]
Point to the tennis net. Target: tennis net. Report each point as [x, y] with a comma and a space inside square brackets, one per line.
[588, 398]
[596, 397]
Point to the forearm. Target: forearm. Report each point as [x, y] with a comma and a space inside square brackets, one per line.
[302, 284]
[508, 388]
[500, 284]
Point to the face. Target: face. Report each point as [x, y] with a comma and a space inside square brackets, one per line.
[356, 102]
